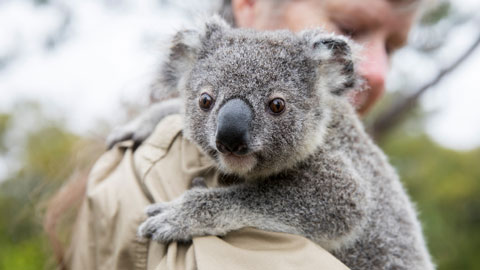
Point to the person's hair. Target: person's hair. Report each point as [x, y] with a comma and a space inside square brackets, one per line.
[226, 12]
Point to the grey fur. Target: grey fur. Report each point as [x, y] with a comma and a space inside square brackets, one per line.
[226, 11]
[311, 171]
[142, 126]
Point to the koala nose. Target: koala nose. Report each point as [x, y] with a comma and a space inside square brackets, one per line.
[233, 126]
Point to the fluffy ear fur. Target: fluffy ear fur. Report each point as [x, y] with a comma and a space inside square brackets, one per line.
[183, 53]
[184, 49]
[335, 55]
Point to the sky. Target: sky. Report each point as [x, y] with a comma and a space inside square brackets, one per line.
[455, 103]
[453, 118]
[110, 50]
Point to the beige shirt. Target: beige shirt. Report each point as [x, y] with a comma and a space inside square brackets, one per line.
[121, 185]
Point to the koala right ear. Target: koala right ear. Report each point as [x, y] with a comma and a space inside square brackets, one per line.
[184, 51]
[336, 56]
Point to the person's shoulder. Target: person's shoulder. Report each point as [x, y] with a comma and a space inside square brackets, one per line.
[122, 169]
[113, 208]
[158, 143]
[165, 132]
[167, 162]
[123, 163]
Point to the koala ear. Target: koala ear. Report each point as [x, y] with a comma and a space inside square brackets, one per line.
[185, 48]
[215, 24]
[335, 56]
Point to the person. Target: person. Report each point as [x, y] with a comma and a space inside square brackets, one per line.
[380, 26]
[123, 182]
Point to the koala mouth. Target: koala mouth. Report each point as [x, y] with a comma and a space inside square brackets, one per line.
[240, 164]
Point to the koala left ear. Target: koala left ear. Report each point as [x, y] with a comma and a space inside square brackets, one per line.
[336, 60]
[185, 48]
[215, 24]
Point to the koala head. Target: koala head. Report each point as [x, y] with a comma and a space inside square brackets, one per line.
[257, 102]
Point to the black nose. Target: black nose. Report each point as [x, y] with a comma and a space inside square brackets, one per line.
[233, 126]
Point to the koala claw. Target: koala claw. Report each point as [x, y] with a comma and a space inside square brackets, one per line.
[155, 209]
[198, 182]
[137, 131]
[118, 135]
[164, 226]
[140, 128]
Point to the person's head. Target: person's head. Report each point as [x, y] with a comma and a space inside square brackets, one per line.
[381, 26]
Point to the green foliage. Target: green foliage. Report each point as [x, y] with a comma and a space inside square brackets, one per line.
[25, 255]
[45, 162]
[4, 121]
[22, 244]
[445, 184]
[47, 152]
[439, 12]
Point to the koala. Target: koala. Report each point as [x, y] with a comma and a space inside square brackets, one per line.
[271, 109]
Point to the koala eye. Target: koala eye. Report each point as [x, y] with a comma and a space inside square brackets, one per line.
[205, 101]
[276, 105]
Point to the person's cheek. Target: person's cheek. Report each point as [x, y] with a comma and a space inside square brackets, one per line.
[373, 68]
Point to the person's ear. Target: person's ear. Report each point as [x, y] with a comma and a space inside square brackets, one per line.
[244, 12]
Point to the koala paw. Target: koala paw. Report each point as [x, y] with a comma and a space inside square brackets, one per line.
[137, 131]
[165, 224]
[198, 182]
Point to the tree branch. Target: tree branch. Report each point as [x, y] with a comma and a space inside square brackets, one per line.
[393, 116]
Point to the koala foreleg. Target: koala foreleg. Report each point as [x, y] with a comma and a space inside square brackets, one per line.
[142, 126]
[281, 205]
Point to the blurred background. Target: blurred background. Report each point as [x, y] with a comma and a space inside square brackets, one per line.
[71, 70]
